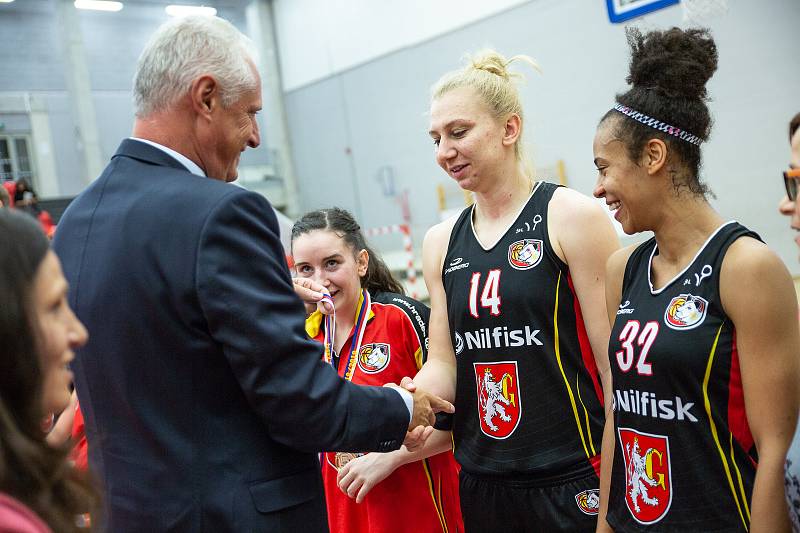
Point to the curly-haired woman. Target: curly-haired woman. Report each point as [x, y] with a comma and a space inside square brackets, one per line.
[704, 336]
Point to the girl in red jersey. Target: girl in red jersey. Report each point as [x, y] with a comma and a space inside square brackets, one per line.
[376, 336]
[704, 339]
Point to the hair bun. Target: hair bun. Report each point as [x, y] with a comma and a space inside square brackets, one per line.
[492, 62]
[496, 63]
[675, 62]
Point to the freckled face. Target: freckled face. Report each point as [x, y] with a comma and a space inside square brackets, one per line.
[467, 137]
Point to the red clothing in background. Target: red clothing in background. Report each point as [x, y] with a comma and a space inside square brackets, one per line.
[80, 452]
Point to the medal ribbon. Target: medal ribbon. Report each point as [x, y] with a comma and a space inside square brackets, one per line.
[330, 331]
[362, 314]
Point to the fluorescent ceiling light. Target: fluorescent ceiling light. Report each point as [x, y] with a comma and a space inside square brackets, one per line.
[182, 11]
[6, 1]
[98, 5]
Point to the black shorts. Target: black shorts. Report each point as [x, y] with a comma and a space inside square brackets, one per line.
[497, 503]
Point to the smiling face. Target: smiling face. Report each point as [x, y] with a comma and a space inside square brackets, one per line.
[471, 145]
[327, 259]
[59, 333]
[233, 128]
[621, 182]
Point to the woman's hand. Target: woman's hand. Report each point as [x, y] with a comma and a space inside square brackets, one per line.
[360, 475]
[62, 430]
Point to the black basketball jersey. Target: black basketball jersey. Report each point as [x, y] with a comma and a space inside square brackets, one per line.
[528, 398]
[684, 458]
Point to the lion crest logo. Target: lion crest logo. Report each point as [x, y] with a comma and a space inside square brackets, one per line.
[685, 311]
[499, 404]
[373, 358]
[525, 254]
[648, 474]
[588, 501]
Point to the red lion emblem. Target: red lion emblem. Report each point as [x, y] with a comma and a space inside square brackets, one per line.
[648, 477]
[499, 404]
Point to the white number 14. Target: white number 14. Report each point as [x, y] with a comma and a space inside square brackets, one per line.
[490, 296]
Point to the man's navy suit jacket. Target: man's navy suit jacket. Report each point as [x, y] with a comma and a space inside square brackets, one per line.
[204, 400]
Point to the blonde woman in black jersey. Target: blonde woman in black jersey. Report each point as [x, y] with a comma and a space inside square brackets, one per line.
[704, 341]
[517, 315]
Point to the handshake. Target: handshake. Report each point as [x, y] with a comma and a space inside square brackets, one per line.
[423, 419]
[426, 405]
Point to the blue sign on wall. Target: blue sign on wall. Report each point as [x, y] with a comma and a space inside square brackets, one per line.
[622, 10]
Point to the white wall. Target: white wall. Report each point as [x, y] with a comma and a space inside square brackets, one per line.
[317, 38]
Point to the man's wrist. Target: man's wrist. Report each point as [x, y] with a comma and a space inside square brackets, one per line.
[408, 399]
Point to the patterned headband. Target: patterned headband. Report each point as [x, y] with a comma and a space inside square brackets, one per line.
[657, 124]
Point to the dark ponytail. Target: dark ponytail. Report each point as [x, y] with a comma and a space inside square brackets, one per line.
[668, 73]
[378, 277]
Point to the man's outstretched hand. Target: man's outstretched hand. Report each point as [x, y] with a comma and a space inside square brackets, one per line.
[415, 438]
[426, 406]
[312, 293]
